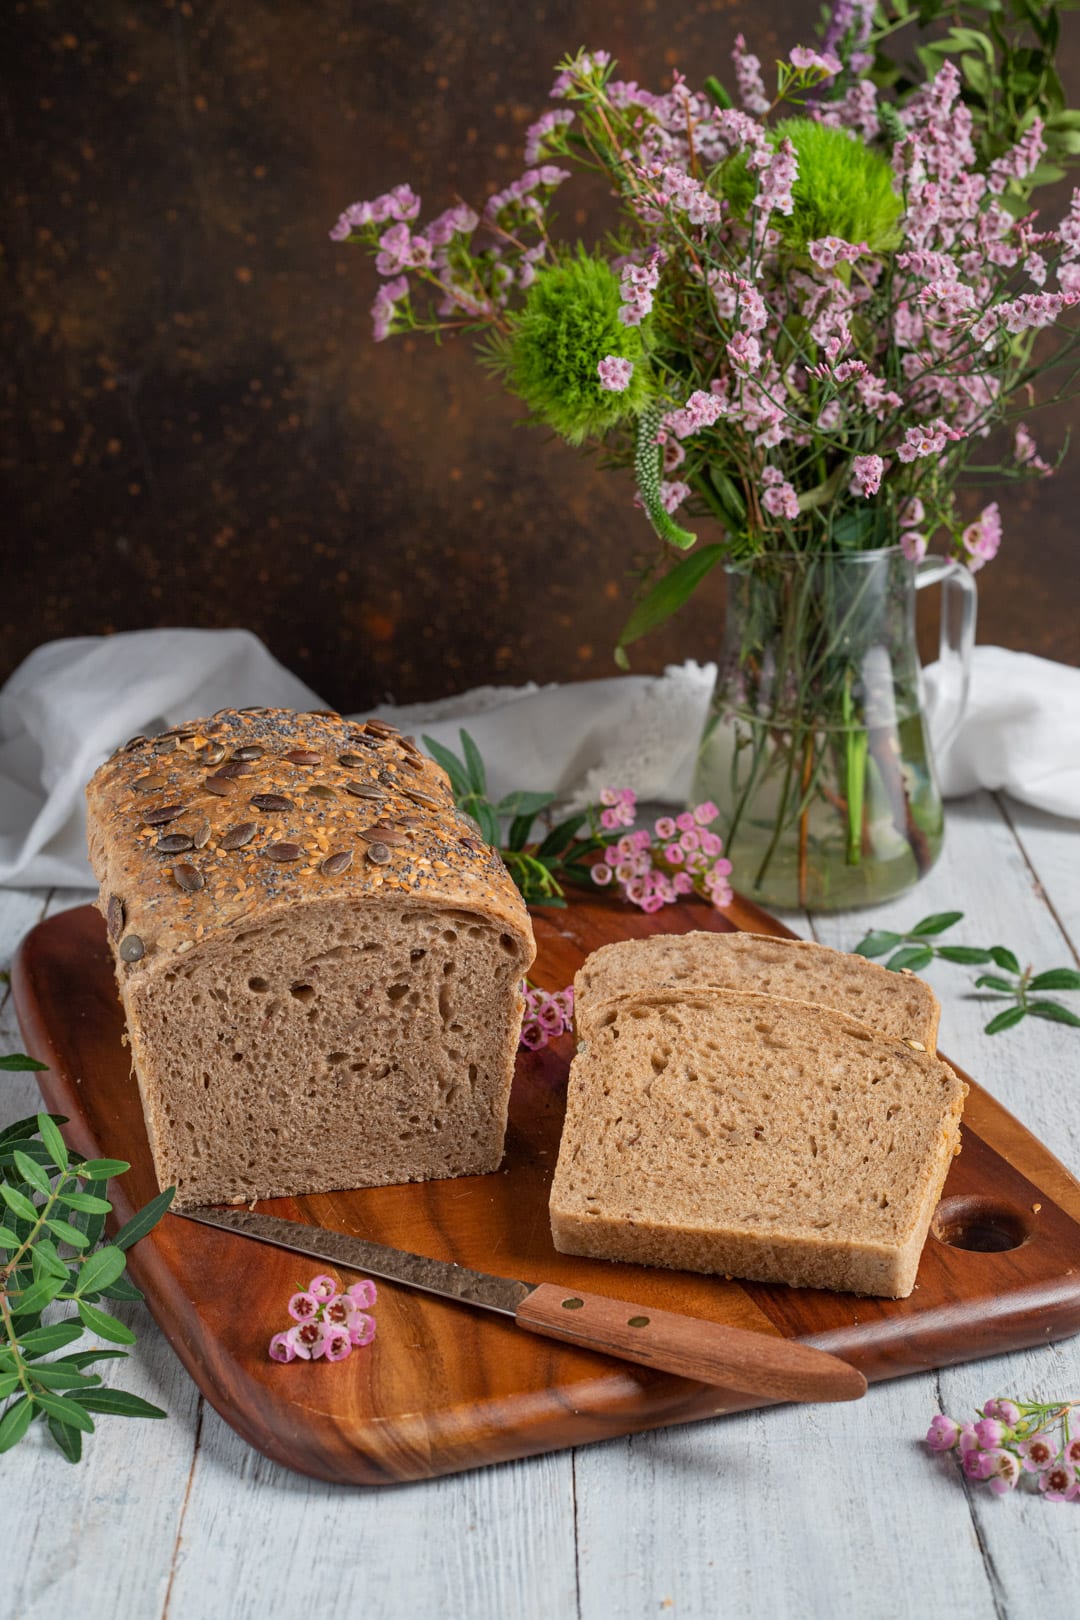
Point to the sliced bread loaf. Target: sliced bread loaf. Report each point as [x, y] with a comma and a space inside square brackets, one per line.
[319, 961]
[760, 1138]
[898, 1004]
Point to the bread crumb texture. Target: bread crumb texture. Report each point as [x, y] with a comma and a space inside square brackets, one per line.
[319, 959]
[754, 1136]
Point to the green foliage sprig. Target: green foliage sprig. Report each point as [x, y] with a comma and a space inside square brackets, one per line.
[539, 865]
[1023, 987]
[51, 1251]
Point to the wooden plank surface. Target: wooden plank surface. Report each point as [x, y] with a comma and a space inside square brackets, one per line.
[822, 1513]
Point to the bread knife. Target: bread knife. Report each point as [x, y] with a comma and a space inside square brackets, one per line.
[734, 1358]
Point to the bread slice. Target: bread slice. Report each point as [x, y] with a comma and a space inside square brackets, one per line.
[756, 1137]
[319, 961]
[898, 1004]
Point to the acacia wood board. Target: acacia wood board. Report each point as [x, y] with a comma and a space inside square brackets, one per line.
[445, 1387]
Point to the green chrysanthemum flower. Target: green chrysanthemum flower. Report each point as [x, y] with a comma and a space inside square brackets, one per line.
[570, 323]
[844, 188]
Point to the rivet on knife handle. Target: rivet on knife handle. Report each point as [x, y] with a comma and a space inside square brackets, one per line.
[753, 1363]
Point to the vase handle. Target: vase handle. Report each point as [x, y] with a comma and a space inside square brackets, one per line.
[958, 609]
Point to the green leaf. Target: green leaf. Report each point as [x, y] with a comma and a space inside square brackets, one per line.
[523, 803]
[32, 1173]
[450, 763]
[49, 1376]
[936, 924]
[877, 942]
[87, 1358]
[55, 1337]
[86, 1203]
[912, 957]
[27, 1145]
[989, 981]
[518, 835]
[1004, 958]
[473, 763]
[1056, 979]
[562, 835]
[66, 1411]
[102, 1268]
[486, 820]
[716, 93]
[669, 593]
[122, 1288]
[15, 1422]
[53, 1141]
[9, 1383]
[67, 1438]
[66, 1232]
[26, 1127]
[106, 1326]
[1054, 1011]
[18, 1202]
[102, 1169]
[35, 1298]
[47, 1263]
[1005, 1020]
[8, 1238]
[120, 1403]
[963, 953]
[19, 1063]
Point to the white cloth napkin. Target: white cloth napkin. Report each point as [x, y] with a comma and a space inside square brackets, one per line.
[72, 702]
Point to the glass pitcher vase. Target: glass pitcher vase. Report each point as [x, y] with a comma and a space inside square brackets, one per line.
[817, 750]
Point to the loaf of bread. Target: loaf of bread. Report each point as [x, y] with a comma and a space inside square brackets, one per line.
[756, 1137]
[319, 960]
[898, 1004]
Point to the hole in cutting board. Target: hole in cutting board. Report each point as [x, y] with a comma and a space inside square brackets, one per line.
[980, 1226]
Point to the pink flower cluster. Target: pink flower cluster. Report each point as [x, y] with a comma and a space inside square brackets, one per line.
[681, 857]
[615, 373]
[546, 1015]
[1011, 1440]
[328, 1323]
[638, 283]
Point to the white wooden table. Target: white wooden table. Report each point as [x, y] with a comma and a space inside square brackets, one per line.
[818, 1512]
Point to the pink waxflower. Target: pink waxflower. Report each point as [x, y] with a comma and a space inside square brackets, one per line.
[361, 1328]
[866, 475]
[989, 1433]
[1005, 1411]
[1037, 1453]
[828, 251]
[304, 1307]
[977, 1464]
[928, 440]
[323, 1287]
[306, 1340]
[826, 64]
[1071, 1454]
[601, 873]
[665, 828]
[1059, 1482]
[913, 545]
[281, 1349]
[748, 80]
[674, 854]
[704, 812]
[337, 1342]
[615, 373]
[943, 1433]
[1026, 453]
[982, 538]
[1003, 1470]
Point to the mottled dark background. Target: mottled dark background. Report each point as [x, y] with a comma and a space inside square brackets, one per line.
[196, 427]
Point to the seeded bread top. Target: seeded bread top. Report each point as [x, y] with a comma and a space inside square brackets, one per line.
[253, 810]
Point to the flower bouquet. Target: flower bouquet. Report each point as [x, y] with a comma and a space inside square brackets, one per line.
[818, 304]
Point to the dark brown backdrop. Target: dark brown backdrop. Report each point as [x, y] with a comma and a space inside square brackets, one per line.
[197, 428]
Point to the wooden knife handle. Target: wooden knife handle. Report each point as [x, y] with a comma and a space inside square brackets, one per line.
[753, 1363]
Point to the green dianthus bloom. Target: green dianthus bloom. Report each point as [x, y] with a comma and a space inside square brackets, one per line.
[844, 188]
[569, 324]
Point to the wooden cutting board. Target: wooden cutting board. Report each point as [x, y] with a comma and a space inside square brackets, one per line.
[446, 1388]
